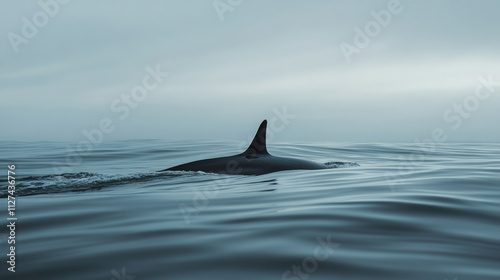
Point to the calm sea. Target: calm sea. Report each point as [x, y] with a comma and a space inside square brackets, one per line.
[383, 211]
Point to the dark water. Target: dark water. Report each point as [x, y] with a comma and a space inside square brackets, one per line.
[404, 213]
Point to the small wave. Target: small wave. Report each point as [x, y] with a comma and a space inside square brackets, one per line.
[339, 164]
[74, 182]
[88, 181]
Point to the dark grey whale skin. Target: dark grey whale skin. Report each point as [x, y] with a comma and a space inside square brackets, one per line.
[254, 161]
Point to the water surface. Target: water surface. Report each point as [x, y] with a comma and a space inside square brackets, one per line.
[389, 212]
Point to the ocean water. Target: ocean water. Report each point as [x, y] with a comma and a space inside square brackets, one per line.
[382, 211]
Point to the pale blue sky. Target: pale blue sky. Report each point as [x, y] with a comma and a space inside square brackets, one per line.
[226, 76]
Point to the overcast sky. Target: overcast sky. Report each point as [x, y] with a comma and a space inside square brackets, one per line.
[304, 64]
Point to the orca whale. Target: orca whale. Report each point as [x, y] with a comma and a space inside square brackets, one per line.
[256, 160]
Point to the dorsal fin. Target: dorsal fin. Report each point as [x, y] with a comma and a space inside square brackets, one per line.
[258, 146]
